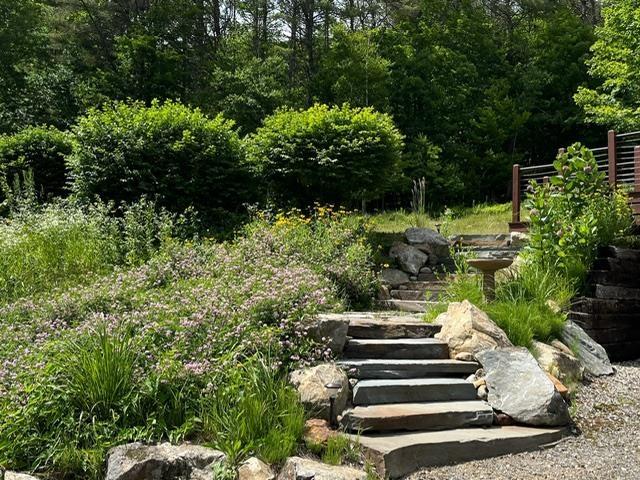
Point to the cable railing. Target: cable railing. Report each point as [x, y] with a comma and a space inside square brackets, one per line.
[619, 161]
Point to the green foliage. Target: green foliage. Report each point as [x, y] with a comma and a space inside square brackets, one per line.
[574, 214]
[615, 101]
[168, 152]
[354, 70]
[61, 243]
[332, 242]
[338, 155]
[40, 150]
[254, 411]
[340, 449]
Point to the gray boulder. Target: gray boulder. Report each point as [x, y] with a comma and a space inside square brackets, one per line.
[408, 258]
[430, 242]
[315, 396]
[393, 277]
[518, 387]
[330, 329]
[593, 356]
[136, 461]
[297, 468]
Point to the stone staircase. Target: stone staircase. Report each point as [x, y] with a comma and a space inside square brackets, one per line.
[412, 407]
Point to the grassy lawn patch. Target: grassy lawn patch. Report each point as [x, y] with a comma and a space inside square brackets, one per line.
[480, 219]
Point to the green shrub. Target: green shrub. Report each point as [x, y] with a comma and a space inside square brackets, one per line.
[574, 214]
[338, 155]
[174, 155]
[41, 150]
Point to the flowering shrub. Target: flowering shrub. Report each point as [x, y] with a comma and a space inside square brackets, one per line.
[193, 314]
[573, 214]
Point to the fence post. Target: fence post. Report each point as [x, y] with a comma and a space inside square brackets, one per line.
[515, 194]
[636, 168]
[611, 149]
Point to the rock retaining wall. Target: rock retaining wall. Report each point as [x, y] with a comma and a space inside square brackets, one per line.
[610, 312]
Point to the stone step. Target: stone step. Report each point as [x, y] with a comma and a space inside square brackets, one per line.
[407, 305]
[397, 454]
[431, 296]
[424, 286]
[376, 392]
[418, 416]
[399, 326]
[385, 369]
[396, 348]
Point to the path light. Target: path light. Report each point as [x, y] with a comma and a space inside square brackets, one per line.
[488, 267]
[334, 387]
[438, 225]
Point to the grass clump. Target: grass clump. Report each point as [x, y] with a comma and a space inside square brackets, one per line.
[254, 412]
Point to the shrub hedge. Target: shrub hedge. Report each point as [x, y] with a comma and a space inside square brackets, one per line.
[175, 155]
[338, 155]
[40, 150]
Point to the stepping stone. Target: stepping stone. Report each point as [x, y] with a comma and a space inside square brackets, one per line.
[406, 368]
[396, 348]
[375, 392]
[418, 416]
[392, 327]
[397, 454]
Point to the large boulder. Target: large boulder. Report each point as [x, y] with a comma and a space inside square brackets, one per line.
[565, 367]
[467, 329]
[593, 356]
[410, 259]
[430, 242]
[137, 461]
[255, 469]
[311, 384]
[393, 277]
[330, 329]
[297, 468]
[518, 387]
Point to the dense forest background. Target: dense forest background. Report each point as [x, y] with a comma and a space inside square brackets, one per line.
[474, 86]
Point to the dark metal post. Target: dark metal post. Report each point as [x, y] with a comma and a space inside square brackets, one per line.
[515, 194]
[611, 149]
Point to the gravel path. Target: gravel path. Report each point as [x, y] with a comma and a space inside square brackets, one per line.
[607, 448]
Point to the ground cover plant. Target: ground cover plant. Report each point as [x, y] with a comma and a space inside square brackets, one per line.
[156, 351]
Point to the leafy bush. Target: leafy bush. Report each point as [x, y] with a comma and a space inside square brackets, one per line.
[574, 214]
[337, 155]
[40, 150]
[168, 152]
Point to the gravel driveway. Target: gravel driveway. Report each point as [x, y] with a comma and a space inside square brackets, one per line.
[607, 447]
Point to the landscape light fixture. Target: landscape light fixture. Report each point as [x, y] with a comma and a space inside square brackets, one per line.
[334, 387]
